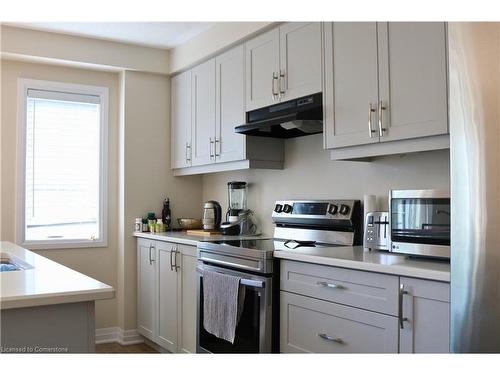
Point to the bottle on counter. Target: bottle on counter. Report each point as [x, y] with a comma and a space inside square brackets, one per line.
[145, 226]
[166, 214]
[152, 221]
[138, 224]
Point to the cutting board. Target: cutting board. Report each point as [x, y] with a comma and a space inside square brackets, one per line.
[201, 232]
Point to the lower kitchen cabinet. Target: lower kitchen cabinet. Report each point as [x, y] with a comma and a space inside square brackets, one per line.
[426, 314]
[166, 294]
[311, 325]
[146, 288]
[325, 309]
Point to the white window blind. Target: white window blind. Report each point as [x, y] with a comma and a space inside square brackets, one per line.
[63, 187]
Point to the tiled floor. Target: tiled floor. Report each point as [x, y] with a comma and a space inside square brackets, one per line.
[114, 347]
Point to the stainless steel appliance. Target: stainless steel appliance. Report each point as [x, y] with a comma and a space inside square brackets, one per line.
[419, 222]
[298, 224]
[240, 221]
[294, 118]
[474, 94]
[377, 236]
[212, 214]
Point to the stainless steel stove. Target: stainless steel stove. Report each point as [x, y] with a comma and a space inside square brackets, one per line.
[298, 224]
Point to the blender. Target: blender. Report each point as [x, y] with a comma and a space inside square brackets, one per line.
[239, 219]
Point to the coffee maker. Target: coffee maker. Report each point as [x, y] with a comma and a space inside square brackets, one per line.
[239, 219]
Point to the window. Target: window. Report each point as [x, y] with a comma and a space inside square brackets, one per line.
[63, 165]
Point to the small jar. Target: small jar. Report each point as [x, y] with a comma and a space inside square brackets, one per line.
[159, 226]
[138, 224]
[152, 225]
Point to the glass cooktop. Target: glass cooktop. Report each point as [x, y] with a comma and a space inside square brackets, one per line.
[270, 244]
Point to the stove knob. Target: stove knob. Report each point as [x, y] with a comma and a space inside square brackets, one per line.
[344, 209]
[287, 209]
[332, 210]
[278, 208]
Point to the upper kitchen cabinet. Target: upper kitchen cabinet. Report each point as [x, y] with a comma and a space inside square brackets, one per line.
[300, 59]
[216, 103]
[413, 80]
[262, 69]
[180, 124]
[283, 64]
[229, 105]
[203, 113]
[385, 88]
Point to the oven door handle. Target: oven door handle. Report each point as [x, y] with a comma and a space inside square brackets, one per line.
[224, 263]
[246, 282]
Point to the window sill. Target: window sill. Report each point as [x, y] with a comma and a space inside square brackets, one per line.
[55, 245]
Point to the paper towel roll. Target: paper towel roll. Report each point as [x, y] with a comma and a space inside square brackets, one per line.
[369, 204]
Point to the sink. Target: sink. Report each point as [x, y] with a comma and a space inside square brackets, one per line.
[9, 262]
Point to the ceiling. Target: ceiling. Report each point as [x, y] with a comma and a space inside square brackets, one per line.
[153, 34]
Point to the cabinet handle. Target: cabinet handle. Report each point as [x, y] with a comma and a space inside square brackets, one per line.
[175, 257]
[370, 110]
[217, 142]
[380, 109]
[282, 84]
[211, 152]
[330, 285]
[330, 338]
[150, 260]
[273, 85]
[188, 152]
[171, 263]
[402, 292]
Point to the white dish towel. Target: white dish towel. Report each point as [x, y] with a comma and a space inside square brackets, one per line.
[223, 299]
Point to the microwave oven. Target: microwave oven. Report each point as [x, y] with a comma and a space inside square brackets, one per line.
[419, 222]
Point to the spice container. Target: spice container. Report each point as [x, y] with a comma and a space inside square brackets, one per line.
[159, 226]
[138, 224]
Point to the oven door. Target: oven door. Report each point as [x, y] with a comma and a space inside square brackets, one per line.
[253, 332]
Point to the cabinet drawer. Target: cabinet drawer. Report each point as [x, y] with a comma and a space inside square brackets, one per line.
[366, 290]
[344, 329]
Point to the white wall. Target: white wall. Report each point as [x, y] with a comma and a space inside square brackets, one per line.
[145, 175]
[309, 174]
[99, 263]
[48, 47]
[220, 36]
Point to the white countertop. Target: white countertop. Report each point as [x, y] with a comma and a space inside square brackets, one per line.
[47, 283]
[356, 257]
[188, 239]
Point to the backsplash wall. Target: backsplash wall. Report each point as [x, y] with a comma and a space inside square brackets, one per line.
[310, 174]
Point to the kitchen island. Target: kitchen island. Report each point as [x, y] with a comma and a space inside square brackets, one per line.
[46, 307]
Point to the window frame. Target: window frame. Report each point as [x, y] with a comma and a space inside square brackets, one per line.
[103, 92]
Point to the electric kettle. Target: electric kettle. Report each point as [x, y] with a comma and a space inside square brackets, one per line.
[212, 214]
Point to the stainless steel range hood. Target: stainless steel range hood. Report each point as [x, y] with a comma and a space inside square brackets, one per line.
[294, 118]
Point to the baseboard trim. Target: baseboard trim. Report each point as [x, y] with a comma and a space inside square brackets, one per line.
[117, 334]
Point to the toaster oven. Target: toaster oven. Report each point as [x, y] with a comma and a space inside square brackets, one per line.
[419, 222]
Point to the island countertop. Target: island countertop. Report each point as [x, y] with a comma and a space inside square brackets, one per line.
[45, 282]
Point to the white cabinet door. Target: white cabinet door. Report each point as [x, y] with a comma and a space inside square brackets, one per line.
[180, 120]
[167, 296]
[413, 79]
[426, 306]
[187, 299]
[203, 109]
[146, 288]
[351, 83]
[230, 105]
[262, 63]
[300, 59]
[310, 325]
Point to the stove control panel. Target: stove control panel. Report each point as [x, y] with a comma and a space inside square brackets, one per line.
[315, 211]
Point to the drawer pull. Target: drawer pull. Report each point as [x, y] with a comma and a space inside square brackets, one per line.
[326, 337]
[330, 285]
